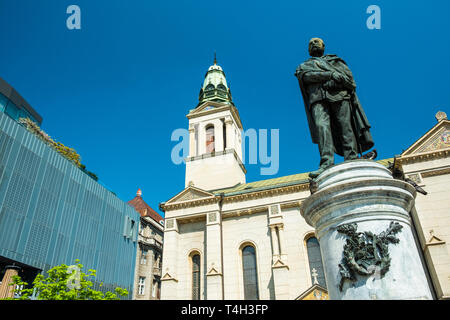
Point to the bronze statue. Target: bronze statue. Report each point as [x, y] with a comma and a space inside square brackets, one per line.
[337, 121]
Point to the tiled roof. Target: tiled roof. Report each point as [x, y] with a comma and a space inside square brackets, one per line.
[144, 209]
[294, 179]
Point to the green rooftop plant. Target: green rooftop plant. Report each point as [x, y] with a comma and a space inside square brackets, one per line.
[64, 283]
[68, 153]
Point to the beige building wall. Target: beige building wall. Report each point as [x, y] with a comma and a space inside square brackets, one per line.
[150, 238]
[427, 162]
[283, 273]
[432, 218]
[238, 231]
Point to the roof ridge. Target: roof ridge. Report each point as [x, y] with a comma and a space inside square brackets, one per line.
[272, 182]
[138, 203]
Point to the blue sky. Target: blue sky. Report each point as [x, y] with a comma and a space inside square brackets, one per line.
[116, 89]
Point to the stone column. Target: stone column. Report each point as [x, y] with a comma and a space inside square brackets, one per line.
[214, 276]
[280, 268]
[229, 133]
[7, 291]
[276, 251]
[169, 279]
[360, 200]
[192, 146]
[218, 136]
[283, 252]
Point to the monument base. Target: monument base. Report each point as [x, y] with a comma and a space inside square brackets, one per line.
[361, 217]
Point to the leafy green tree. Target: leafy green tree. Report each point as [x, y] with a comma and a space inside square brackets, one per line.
[64, 283]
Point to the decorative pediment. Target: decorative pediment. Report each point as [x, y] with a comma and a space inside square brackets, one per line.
[316, 292]
[434, 240]
[210, 107]
[206, 106]
[436, 139]
[279, 264]
[190, 193]
[167, 277]
[213, 272]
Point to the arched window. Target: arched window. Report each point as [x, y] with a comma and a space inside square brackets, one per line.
[250, 273]
[315, 262]
[195, 277]
[210, 139]
[220, 86]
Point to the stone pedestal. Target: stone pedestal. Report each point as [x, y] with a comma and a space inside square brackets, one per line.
[362, 194]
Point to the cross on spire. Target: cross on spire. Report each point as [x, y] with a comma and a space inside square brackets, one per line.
[215, 60]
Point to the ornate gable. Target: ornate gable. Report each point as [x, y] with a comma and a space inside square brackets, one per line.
[190, 193]
[208, 105]
[434, 240]
[315, 292]
[436, 139]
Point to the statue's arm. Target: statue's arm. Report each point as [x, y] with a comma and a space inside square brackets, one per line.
[316, 76]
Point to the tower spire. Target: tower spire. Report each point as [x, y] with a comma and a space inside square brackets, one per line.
[215, 86]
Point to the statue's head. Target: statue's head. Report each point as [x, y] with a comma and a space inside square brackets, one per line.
[316, 47]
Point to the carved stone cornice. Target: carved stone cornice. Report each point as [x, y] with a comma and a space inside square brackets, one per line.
[267, 193]
[436, 172]
[425, 156]
[191, 203]
[291, 204]
[218, 153]
[244, 197]
[258, 209]
[199, 111]
[244, 212]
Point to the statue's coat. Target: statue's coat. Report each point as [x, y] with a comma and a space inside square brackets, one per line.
[360, 124]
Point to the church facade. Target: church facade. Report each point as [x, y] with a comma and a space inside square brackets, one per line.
[225, 238]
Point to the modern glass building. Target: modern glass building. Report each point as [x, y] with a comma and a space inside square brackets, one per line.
[51, 212]
[12, 103]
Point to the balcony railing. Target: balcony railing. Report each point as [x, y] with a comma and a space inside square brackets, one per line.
[151, 241]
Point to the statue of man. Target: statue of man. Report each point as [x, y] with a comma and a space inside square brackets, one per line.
[336, 119]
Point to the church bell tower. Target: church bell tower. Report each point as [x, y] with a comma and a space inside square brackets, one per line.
[215, 141]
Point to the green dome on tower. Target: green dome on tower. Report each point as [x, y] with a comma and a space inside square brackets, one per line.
[215, 87]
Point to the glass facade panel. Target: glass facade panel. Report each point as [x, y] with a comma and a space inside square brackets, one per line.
[12, 110]
[3, 102]
[25, 114]
[250, 273]
[51, 213]
[315, 261]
